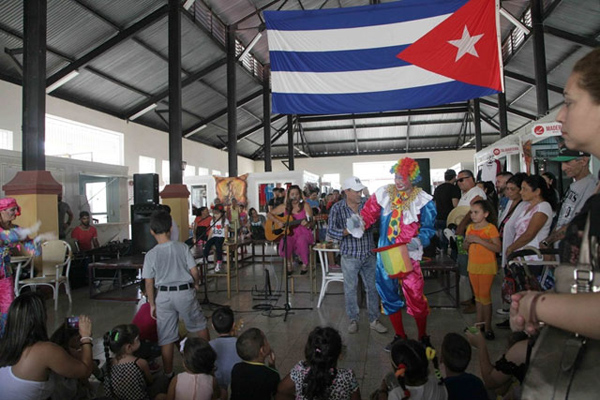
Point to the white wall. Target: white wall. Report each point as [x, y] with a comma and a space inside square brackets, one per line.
[343, 165]
[138, 139]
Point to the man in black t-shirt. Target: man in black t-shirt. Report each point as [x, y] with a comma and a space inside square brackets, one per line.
[446, 197]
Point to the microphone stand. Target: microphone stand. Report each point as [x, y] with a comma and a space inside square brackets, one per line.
[287, 307]
[206, 300]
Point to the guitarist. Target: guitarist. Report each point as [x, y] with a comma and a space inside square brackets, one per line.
[301, 236]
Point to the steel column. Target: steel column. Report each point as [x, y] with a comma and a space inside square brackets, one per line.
[477, 122]
[502, 113]
[34, 85]
[175, 145]
[290, 144]
[267, 120]
[231, 103]
[539, 57]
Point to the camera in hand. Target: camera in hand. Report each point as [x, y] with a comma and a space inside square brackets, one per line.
[73, 322]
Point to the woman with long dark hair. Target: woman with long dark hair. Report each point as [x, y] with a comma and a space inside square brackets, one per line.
[300, 238]
[28, 358]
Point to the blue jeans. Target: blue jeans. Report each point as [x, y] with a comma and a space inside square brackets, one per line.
[351, 268]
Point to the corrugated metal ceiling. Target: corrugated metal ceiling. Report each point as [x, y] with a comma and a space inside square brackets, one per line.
[134, 72]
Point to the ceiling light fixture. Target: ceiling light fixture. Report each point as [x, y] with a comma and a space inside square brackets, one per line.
[144, 111]
[62, 81]
[188, 4]
[187, 135]
[468, 142]
[250, 46]
[514, 21]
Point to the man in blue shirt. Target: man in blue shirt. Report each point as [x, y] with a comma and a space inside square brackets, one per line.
[357, 257]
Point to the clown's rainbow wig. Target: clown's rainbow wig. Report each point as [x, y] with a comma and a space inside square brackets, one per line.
[408, 169]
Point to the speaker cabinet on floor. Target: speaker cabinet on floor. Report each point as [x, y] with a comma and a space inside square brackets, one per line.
[141, 238]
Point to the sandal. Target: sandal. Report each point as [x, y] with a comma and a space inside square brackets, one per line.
[303, 271]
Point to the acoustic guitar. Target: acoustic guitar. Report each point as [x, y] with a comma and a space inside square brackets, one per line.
[272, 232]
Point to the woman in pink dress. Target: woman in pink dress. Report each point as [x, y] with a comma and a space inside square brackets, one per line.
[300, 238]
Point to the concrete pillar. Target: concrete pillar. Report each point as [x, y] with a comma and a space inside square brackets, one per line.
[176, 196]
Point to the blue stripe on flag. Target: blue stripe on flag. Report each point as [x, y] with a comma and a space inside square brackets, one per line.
[350, 17]
[335, 61]
[426, 96]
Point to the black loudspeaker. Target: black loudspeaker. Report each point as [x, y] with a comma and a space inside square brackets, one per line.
[145, 188]
[141, 238]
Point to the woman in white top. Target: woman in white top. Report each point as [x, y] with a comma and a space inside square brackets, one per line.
[533, 224]
[28, 359]
[513, 210]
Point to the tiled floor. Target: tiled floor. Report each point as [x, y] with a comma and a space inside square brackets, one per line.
[363, 352]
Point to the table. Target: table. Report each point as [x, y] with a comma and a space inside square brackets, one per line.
[135, 262]
[445, 266]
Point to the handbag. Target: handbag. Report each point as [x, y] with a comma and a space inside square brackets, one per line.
[518, 277]
[564, 365]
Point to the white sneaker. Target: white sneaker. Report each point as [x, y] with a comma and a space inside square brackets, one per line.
[378, 327]
[353, 327]
[218, 267]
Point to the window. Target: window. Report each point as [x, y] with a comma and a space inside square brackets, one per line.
[6, 139]
[66, 138]
[166, 172]
[374, 174]
[147, 165]
[332, 180]
[101, 194]
[95, 192]
[216, 172]
[190, 170]
[202, 171]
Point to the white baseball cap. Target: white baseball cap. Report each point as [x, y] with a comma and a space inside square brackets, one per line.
[353, 183]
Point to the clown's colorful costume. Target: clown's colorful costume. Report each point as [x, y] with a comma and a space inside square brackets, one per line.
[402, 219]
[9, 239]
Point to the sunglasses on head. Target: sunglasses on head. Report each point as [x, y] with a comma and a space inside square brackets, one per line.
[462, 179]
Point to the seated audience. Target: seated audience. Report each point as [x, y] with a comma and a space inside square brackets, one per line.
[318, 376]
[456, 356]
[148, 334]
[201, 225]
[257, 224]
[411, 370]
[128, 377]
[197, 382]
[29, 360]
[225, 347]
[85, 235]
[255, 378]
[69, 339]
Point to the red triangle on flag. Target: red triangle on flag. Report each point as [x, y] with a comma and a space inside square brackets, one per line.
[464, 47]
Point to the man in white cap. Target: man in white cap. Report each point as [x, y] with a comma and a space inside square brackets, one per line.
[357, 257]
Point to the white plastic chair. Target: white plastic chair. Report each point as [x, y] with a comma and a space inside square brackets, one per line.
[328, 275]
[56, 256]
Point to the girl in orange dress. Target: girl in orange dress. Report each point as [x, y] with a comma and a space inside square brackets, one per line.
[483, 242]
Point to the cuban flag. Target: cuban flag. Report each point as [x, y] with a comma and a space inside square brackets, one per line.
[393, 56]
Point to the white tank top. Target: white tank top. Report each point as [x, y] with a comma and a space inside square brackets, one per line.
[12, 387]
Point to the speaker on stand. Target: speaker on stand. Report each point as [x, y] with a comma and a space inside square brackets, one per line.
[145, 188]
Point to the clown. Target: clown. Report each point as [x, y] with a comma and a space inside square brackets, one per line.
[11, 236]
[406, 215]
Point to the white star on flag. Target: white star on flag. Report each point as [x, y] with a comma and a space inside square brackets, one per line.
[466, 44]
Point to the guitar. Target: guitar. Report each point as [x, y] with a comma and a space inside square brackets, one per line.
[272, 232]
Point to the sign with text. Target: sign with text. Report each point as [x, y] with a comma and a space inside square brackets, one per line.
[495, 152]
[549, 129]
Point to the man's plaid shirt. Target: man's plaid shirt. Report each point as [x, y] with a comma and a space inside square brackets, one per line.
[349, 245]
